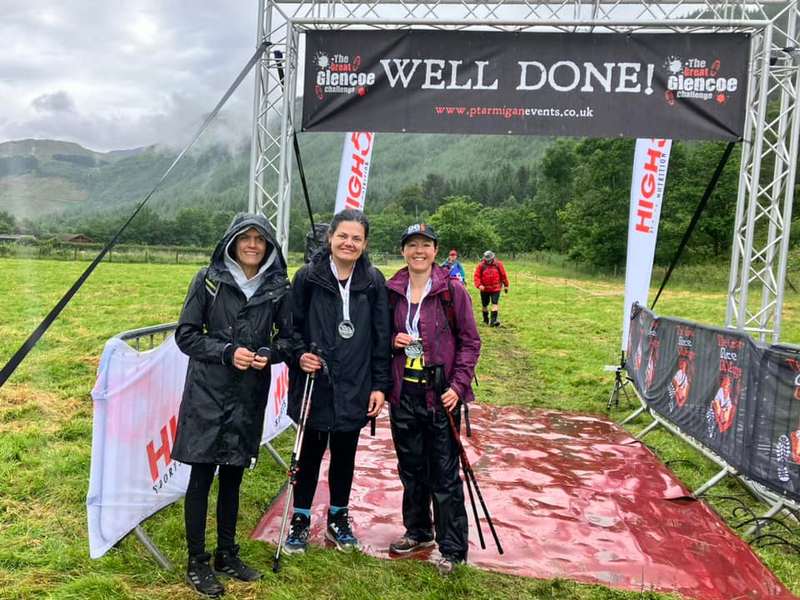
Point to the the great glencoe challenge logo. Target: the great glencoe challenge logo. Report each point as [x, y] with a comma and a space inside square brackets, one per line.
[339, 74]
[698, 79]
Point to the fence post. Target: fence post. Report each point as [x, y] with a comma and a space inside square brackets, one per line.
[176, 256]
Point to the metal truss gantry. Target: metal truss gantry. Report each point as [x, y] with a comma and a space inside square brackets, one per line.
[772, 127]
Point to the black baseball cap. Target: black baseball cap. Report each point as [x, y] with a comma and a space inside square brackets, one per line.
[419, 229]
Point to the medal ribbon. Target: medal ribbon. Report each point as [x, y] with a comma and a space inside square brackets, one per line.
[344, 290]
[412, 324]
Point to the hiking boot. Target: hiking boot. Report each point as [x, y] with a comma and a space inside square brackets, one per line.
[407, 545]
[340, 532]
[201, 578]
[495, 320]
[227, 562]
[486, 317]
[297, 540]
[447, 565]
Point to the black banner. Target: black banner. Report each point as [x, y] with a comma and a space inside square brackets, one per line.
[674, 86]
[738, 398]
[775, 458]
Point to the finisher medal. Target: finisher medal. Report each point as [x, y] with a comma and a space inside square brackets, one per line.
[414, 349]
[346, 329]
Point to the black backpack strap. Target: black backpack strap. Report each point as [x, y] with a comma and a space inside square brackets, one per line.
[212, 289]
[450, 311]
[449, 307]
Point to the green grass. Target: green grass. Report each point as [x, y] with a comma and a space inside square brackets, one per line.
[560, 328]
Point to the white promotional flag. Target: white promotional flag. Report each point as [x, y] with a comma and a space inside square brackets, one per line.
[650, 162]
[136, 400]
[354, 171]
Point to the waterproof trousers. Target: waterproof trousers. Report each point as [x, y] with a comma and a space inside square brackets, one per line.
[428, 464]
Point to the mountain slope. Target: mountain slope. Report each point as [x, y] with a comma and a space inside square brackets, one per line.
[40, 178]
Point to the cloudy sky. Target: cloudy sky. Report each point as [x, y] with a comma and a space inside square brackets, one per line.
[112, 75]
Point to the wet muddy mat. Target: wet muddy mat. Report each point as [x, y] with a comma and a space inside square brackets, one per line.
[571, 496]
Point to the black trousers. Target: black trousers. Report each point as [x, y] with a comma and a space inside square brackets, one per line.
[195, 507]
[428, 463]
[340, 475]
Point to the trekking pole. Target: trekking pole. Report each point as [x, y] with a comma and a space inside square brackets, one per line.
[472, 501]
[305, 408]
[469, 484]
[470, 474]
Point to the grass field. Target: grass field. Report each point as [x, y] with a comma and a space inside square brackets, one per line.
[560, 328]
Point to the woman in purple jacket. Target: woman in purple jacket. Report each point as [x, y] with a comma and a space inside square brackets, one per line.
[432, 369]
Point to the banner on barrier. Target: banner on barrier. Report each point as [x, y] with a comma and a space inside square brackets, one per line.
[777, 423]
[136, 400]
[737, 398]
[650, 162]
[687, 86]
[354, 170]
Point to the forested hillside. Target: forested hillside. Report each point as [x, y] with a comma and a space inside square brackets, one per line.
[511, 194]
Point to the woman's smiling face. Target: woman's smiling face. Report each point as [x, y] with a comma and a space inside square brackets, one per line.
[419, 252]
[348, 242]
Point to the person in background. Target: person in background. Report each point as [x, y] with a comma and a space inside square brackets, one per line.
[235, 321]
[454, 268]
[490, 278]
[340, 306]
[436, 347]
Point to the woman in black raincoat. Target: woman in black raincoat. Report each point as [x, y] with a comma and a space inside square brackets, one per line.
[236, 320]
[340, 305]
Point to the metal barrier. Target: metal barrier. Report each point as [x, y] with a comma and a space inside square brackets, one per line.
[662, 349]
[776, 503]
[142, 340]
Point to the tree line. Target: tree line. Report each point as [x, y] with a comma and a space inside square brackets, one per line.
[572, 201]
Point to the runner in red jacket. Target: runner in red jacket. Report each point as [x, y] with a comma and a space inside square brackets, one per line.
[490, 278]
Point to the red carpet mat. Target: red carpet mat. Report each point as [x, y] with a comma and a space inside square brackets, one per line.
[571, 496]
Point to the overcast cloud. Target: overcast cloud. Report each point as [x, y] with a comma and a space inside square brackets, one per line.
[111, 75]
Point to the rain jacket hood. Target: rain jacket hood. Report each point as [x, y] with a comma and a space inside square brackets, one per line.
[223, 259]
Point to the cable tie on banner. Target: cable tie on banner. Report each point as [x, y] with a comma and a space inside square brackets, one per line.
[40, 330]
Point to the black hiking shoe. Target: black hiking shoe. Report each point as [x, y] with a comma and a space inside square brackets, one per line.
[340, 532]
[227, 562]
[201, 578]
[407, 545]
[297, 540]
